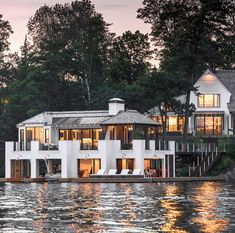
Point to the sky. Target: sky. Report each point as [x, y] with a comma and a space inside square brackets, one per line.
[120, 13]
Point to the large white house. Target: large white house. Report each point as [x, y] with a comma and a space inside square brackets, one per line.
[215, 106]
[79, 143]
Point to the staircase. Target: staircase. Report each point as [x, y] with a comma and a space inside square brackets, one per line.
[203, 163]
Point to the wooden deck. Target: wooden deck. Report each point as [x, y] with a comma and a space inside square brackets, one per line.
[121, 180]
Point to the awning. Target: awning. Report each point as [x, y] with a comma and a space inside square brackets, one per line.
[78, 122]
[208, 113]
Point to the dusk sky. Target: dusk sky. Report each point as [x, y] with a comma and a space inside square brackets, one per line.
[121, 13]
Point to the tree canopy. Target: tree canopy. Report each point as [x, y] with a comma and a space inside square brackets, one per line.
[192, 36]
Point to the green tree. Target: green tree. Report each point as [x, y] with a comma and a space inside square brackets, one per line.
[70, 41]
[5, 32]
[192, 36]
[129, 57]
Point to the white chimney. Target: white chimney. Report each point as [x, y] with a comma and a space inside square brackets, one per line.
[115, 106]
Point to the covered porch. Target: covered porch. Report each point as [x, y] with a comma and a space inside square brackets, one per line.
[128, 126]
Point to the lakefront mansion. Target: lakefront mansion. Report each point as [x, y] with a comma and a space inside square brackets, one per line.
[81, 143]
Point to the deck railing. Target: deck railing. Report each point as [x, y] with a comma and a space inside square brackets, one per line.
[191, 147]
[161, 145]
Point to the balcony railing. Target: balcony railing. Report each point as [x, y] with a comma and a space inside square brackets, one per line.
[126, 146]
[161, 145]
[48, 147]
[18, 146]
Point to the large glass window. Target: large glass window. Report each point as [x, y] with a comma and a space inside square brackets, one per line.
[34, 134]
[208, 100]
[22, 139]
[153, 167]
[88, 166]
[173, 123]
[88, 137]
[209, 125]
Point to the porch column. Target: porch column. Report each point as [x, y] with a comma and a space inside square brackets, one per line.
[34, 168]
[64, 168]
[164, 167]
[172, 147]
[7, 168]
[8, 155]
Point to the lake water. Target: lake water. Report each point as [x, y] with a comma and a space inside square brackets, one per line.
[151, 207]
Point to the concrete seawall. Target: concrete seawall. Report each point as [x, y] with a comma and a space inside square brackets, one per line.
[122, 180]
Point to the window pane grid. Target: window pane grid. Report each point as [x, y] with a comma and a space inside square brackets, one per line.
[208, 100]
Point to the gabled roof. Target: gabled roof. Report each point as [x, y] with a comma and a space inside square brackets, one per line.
[129, 117]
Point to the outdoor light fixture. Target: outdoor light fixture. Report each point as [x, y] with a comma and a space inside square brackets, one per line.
[87, 156]
[123, 155]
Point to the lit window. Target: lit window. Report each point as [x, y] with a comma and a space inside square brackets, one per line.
[209, 125]
[172, 124]
[208, 100]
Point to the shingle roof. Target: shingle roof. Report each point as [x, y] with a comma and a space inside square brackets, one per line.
[227, 77]
[129, 117]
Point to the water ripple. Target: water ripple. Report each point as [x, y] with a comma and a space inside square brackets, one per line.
[143, 208]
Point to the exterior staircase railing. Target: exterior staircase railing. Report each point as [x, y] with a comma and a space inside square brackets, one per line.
[204, 162]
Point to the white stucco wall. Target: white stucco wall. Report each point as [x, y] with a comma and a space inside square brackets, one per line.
[69, 152]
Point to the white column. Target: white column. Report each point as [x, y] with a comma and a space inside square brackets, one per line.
[64, 165]
[7, 168]
[8, 153]
[172, 149]
[164, 167]
[34, 168]
[139, 151]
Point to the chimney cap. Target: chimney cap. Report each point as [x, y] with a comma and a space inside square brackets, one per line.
[116, 100]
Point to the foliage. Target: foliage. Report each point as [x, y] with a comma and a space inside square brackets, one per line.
[193, 36]
[129, 55]
[70, 41]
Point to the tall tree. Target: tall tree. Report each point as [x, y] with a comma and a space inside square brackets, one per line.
[192, 35]
[129, 57]
[70, 41]
[5, 32]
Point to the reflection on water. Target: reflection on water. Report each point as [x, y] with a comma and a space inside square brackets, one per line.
[159, 207]
[173, 208]
[207, 205]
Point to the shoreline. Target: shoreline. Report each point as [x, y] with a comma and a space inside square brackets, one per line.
[118, 180]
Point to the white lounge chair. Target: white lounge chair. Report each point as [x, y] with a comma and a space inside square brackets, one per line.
[136, 172]
[100, 172]
[112, 172]
[124, 172]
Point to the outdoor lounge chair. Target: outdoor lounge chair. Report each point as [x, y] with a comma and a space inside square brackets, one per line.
[100, 172]
[124, 172]
[136, 172]
[112, 172]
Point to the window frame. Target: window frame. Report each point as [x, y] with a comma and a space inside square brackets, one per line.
[215, 105]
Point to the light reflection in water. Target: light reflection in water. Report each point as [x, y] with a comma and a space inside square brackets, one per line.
[128, 206]
[139, 208]
[173, 209]
[80, 214]
[41, 196]
[206, 199]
